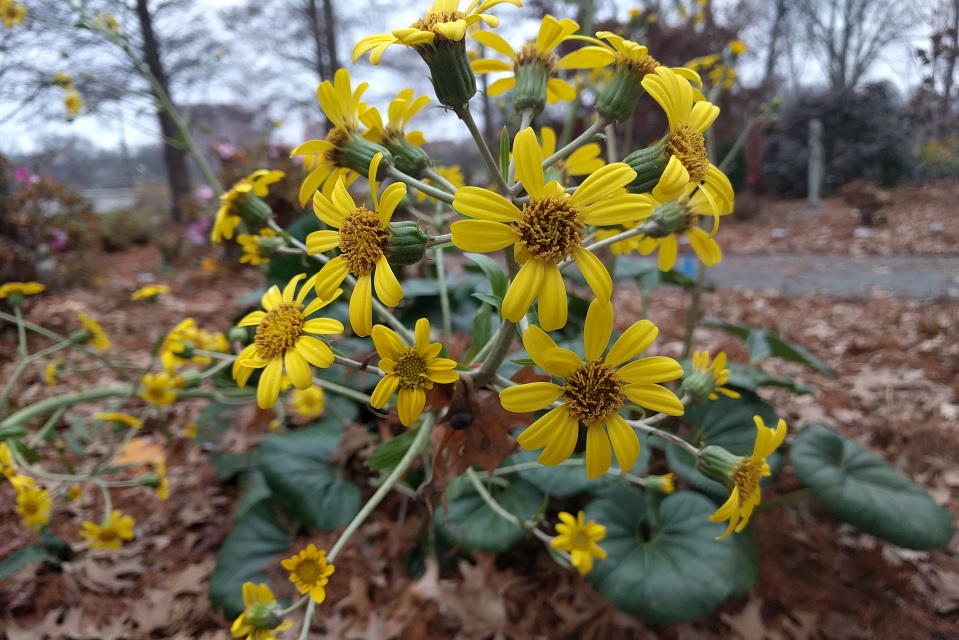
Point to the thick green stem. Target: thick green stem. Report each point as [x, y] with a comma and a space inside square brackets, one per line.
[428, 189]
[467, 118]
[497, 353]
[640, 425]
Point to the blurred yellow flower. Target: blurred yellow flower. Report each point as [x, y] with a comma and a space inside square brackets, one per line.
[33, 505]
[116, 416]
[158, 389]
[73, 102]
[111, 534]
[309, 403]
[310, 572]
[98, 337]
[150, 292]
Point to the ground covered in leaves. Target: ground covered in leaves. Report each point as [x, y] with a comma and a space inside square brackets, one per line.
[896, 391]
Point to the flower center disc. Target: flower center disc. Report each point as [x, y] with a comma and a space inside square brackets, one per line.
[308, 571]
[593, 392]
[550, 228]
[640, 67]
[411, 370]
[338, 138]
[746, 477]
[107, 535]
[432, 19]
[362, 240]
[529, 55]
[689, 146]
[580, 540]
[279, 330]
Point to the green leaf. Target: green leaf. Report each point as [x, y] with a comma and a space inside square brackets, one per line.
[470, 522]
[862, 489]
[22, 557]
[296, 468]
[230, 465]
[504, 153]
[664, 565]
[497, 277]
[255, 540]
[764, 344]
[255, 490]
[389, 454]
[482, 331]
[564, 481]
[725, 422]
[752, 378]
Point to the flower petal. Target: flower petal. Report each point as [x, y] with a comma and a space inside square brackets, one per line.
[315, 351]
[634, 341]
[410, 405]
[323, 240]
[298, 369]
[624, 440]
[598, 454]
[553, 304]
[595, 273]
[483, 204]
[598, 329]
[482, 235]
[388, 288]
[603, 183]
[384, 389]
[361, 306]
[654, 397]
[330, 277]
[538, 434]
[561, 445]
[529, 397]
[387, 343]
[528, 159]
[269, 388]
[651, 370]
[519, 297]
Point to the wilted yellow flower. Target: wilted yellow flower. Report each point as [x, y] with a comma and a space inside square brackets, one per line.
[244, 194]
[111, 534]
[107, 21]
[579, 539]
[62, 80]
[707, 380]
[260, 619]
[73, 102]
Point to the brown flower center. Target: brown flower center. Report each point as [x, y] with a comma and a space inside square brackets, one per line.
[338, 138]
[279, 330]
[108, 534]
[308, 571]
[411, 370]
[528, 54]
[746, 477]
[689, 146]
[593, 392]
[640, 67]
[550, 228]
[432, 19]
[362, 240]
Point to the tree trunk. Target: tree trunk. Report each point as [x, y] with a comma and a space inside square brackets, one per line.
[174, 158]
[774, 44]
[334, 63]
[316, 32]
[952, 51]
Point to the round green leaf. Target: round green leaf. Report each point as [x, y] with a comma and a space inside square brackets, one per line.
[563, 481]
[470, 522]
[664, 564]
[725, 422]
[862, 489]
[297, 469]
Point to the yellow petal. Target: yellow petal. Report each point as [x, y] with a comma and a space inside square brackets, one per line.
[598, 454]
[361, 306]
[384, 389]
[538, 434]
[553, 305]
[655, 397]
[624, 208]
[668, 249]
[561, 445]
[315, 351]
[673, 181]
[388, 288]
[595, 273]
[451, 31]
[651, 370]
[529, 163]
[496, 43]
[632, 342]
[598, 329]
[523, 289]
[486, 65]
[483, 204]
[537, 342]
[410, 405]
[705, 247]
[298, 369]
[269, 388]
[482, 235]
[529, 397]
[501, 86]
[387, 343]
[603, 183]
[624, 440]
[320, 241]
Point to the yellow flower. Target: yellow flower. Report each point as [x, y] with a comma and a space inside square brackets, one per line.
[116, 416]
[309, 403]
[173, 349]
[107, 22]
[411, 369]
[73, 102]
[663, 484]
[33, 505]
[192, 430]
[582, 162]
[20, 289]
[362, 236]
[158, 389]
[163, 485]
[402, 109]
[12, 13]
[111, 534]
[443, 22]
[593, 392]
[342, 105]
[62, 80]
[548, 230]
[259, 620]
[150, 292]
[251, 246]
[738, 47]
[74, 493]
[285, 338]
[8, 467]
[538, 55]
[707, 380]
[453, 175]
[685, 144]
[227, 218]
[310, 572]
[98, 338]
[579, 539]
[744, 479]
[50, 372]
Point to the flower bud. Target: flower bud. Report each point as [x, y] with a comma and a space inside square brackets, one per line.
[532, 72]
[716, 463]
[352, 151]
[649, 165]
[253, 210]
[450, 71]
[661, 484]
[407, 157]
[267, 246]
[700, 384]
[668, 219]
[264, 615]
[238, 334]
[188, 379]
[407, 243]
[618, 99]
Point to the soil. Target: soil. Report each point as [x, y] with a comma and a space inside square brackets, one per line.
[896, 391]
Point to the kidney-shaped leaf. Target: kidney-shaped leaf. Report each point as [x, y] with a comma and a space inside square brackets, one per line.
[862, 489]
[563, 481]
[470, 521]
[666, 566]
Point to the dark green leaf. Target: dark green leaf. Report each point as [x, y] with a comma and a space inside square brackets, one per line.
[862, 489]
[664, 565]
[230, 465]
[470, 522]
[22, 557]
[489, 299]
[297, 470]
[764, 344]
[751, 378]
[389, 454]
[255, 491]
[482, 331]
[494, 273]
[563, 481]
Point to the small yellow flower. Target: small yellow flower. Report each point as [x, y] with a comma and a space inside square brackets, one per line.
[310, 572]
[286, 340]
[251, 246]
[98, 337]
[50, 372]
[175, 345]
[62, 80]
[74, 493]
[707, 379]
[150, 292]
[411, 369]
[12, 13]
[192, 430]
[309, 403]
[107, 22]
[115, 416]
[663, 484]
[274, 425]
[227, 216]
[163, 486]
[33, 505]
[593, 392]
[401, 110]
[579, 539]
[20, 289]
[73, 102]
[738, 47]
[744, 479]
[8, 468]
[259, 621]
[585, 161]
[158, 389]
[111, 534]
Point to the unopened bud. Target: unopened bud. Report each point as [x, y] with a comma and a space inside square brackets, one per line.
[649, 165]
[716, 463]
[450, 71]
[407, 244]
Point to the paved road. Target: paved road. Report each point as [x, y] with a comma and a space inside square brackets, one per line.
[912, 276]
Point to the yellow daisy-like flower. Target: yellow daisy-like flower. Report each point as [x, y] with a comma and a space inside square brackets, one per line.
[549, 229]
[310, 572]
[20, 289]
[342, 105]
[33, 505]
[737, 47]
[362, 237]
[585, 161]
[538, 55]
[158, 389]
[192, 430]
[707, 380]
[50, 372]
[443, 22]
[411, 369]
[286, 339]
[111, 534]
[116, 416]
[8, 467]
[579, 539]
[227, 218]
[685, 145]
[163, 482]
[174, 346]
[744, 479]
[11, 13]
[74, 492]
[98, 337]
[401, 110]
[593, 392]
[150, 292]
[73, 102]
[258, 621]
[453, 175]
[251, 246]
[309, 403]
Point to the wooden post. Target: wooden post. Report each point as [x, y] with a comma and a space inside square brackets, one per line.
[816, 161]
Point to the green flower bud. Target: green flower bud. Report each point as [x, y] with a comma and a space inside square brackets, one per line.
[649, 165]
[450, 71]
[264, 615]
[618, 99]
[716, 463]
[407, 243]
[668, 219]
[700, 384]
[188, 379]
[661, 484]
[532, 74]
[353, 151]
[238, 334]
[267, 246]
[253, 210]
[408, 158]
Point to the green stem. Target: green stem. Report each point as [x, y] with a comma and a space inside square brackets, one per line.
[341, 390]
[497, 353]
[640, 425]
[47, 427]
[439, 241]
[693, 318]
[359, 366]
[307, 619]
[467, 117]
[419, 443]
[444, 293]
[436, 177]
[21, 332]
[428, 189]
[494, 505]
